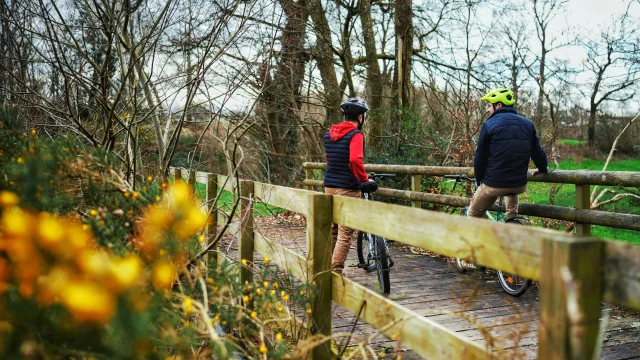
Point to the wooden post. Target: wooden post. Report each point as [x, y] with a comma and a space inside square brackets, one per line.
[308, 175]
[319, 220]
[191, 180]
[570, 297]
[415, 186]
[245, 244]
[212, 227]
[177, 174]
[583, 201]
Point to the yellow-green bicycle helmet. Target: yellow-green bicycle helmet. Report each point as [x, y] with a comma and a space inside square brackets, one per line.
[501, 95]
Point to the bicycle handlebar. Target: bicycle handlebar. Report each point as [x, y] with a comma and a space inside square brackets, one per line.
[381, 176]
[460, 178]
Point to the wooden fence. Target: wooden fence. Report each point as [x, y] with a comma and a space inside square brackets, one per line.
[573, 288]
[582, 215]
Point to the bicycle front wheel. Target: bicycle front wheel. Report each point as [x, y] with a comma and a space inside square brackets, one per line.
[382, 262]
[366, 259]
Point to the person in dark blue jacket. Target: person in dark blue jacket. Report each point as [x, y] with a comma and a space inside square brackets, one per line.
[506, 143]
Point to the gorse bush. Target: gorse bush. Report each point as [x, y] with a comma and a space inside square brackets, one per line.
[92, 268]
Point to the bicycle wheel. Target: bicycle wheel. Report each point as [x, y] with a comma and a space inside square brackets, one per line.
[461, 265]
[512, 284]
[382, 262]
[366, 260]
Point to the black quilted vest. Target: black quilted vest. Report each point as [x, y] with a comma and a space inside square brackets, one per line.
[338, 173]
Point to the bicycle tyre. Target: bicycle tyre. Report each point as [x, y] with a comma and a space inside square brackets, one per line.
[512, 284]
[366, 261]
[382, 264]
[459, 264]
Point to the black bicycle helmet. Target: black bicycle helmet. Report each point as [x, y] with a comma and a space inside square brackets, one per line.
[353, 107]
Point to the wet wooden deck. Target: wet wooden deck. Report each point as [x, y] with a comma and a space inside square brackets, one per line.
[472, 304]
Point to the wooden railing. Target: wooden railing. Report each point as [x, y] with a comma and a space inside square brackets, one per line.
[573, 287]
[582, 215]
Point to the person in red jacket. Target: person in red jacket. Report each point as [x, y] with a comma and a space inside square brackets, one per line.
[345, 174]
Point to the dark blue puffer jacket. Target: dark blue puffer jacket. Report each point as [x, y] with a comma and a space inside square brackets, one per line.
[338, 173]
[506, 143]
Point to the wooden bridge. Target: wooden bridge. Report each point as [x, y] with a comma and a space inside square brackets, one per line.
[434, 311]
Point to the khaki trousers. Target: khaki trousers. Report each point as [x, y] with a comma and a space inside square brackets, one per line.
[341, 235]
[485, 196]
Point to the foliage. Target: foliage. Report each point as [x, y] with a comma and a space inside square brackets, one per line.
[92, 268]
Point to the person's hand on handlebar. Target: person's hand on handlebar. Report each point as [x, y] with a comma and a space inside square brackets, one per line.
[369, 186]
[538, 171]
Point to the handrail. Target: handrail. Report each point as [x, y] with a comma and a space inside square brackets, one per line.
[582, 215]
[554, 258]
[578, 177]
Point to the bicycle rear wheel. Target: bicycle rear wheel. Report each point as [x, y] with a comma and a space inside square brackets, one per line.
[512, 284]
[366, 259]
[382, 262]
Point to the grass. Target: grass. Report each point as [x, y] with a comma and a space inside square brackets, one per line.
[539, 194]
[226, 201]
[573, 143]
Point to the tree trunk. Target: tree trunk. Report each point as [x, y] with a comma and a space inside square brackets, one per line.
[324, 58]
[374, 83]
[404, 52]
[591, 127]
[284, 97]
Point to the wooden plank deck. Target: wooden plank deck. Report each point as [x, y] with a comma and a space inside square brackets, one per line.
[472, 304]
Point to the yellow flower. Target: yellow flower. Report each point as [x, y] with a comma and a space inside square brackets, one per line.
[126, 194]
[8, 199]
[149, 178]
[157, 198]
[254, 315]
[34, 131]
[95, 263]
[180, 194]
[210, 281]
[20, 161]
[16, 222]
[278, 337]
[275, 285]
[163, 274]
[125, 272]
[217, 317]
[309, 311]
[273, 292]
[280, 309]
[244, 262]
[88, 301]
[266, 260]
[265, 284]
[93, 212]
[259, 291]
[263, 349]
[245, 299]
[187, 305]
[201, 238]
[395, 336]
[135, 196]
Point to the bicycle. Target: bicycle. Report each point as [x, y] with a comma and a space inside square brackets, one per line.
[373, 250]
[512, 284]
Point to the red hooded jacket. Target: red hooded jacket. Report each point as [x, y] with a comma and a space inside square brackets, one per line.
[356, 148]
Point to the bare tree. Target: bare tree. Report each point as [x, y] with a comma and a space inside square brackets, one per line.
[544, 11]
[613, 63]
